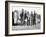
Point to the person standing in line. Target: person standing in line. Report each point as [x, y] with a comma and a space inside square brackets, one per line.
[25, 17]
[22, 16]
[34, 20]
[32, 17]
[28, 19]
[12, 18]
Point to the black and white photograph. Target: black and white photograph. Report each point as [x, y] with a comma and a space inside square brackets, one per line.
[24, 18]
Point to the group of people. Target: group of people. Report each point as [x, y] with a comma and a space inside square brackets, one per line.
[25, 17]
[29, 19]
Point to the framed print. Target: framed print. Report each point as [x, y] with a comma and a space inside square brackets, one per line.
[24, 18]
